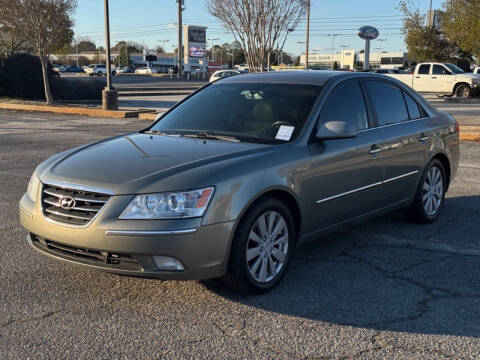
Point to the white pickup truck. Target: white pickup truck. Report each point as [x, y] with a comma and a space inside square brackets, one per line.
[441, 79]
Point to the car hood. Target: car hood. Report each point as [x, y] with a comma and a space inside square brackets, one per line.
[127, 163]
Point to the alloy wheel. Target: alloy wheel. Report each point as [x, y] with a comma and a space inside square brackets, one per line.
[267, 247]
[432, 194]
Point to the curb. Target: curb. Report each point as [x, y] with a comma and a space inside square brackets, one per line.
[73, 110]
[471, 133]
[153, 93]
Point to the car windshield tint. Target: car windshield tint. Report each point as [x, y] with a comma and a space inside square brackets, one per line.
[252, 112]
[455, 69]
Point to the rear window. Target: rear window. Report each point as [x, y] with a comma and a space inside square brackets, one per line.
[388, 102]
[413, 108]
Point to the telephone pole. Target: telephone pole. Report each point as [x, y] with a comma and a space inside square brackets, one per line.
[307, 40]
[180, 48]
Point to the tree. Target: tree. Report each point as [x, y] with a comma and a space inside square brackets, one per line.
[85, 44]
[424, 43]
[46, 23]
[460, 24]
[11, 39]
[259, 26]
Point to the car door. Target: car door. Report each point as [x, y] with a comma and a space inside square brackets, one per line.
[441, 79]
[343, 173]
[401, 122]
[421, 80]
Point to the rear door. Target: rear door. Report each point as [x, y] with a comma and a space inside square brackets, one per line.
[344, 177]
[421, 79]
[401, 122]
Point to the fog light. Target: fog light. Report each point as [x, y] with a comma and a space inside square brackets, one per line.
[168, 263]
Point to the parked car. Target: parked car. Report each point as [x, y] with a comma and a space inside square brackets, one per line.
[388, 71]
[73, 69]
[230, 180]
[124, 70]
[59, 68]
[219, 74]
[442, 79]
[99, 70]
[146, 71]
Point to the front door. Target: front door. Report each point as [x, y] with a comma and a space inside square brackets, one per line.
[401, 123]
[344, 176]
[442, 79]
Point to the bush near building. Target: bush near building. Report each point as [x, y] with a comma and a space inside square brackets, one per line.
[21, 77]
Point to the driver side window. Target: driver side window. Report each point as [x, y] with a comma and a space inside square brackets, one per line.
[346, 103]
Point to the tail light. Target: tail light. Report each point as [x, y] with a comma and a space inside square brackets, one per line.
[457, 127]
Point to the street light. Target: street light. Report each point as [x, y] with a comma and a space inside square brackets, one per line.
[333, 46]
[213, 51]
[306, 60]
[164, 50]
[343, 47]
[379, 48]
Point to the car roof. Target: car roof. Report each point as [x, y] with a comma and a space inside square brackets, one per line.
[316, 77]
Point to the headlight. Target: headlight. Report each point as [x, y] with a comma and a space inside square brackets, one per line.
[176, 205]
[33, 187]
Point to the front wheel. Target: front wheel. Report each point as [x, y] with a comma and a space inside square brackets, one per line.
[463, 91]
[430, 196]
[261, 248]
[99, 73]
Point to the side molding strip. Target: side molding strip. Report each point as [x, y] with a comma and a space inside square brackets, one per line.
[366, 187]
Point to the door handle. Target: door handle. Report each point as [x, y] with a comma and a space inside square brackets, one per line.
[423, 138]
[434, 77]
[417, 77]
[374, 149]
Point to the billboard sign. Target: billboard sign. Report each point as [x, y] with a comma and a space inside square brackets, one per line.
[197, 35]
[196, 51]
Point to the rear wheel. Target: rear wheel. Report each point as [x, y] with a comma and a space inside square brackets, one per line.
[99, 73]
[430, 196]
[463, 90]
[261, 248]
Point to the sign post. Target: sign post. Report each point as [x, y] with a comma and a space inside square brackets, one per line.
[367, 33]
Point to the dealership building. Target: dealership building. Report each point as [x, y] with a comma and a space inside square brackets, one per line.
[351, 59]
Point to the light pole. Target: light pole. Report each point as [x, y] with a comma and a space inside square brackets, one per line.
[164, 50]
[333, 46]
[307, 40]
[343, 48]
[109, 96]
[180, 48]
[213, 51]
[380, 47]
[306, 61]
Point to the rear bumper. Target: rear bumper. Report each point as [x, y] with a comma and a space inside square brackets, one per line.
[128, 247]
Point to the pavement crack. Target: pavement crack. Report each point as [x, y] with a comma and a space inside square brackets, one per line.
[31, 318]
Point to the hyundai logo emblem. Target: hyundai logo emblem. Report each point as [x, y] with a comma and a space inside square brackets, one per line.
[67, 202]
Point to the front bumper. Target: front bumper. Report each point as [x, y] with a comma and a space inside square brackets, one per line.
[128, 246]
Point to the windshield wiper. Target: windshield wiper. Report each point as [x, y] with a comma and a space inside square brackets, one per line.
[203, 135]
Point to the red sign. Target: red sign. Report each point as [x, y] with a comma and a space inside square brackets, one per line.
[213, 65]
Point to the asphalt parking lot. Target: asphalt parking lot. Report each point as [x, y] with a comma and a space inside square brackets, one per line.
[385, 289]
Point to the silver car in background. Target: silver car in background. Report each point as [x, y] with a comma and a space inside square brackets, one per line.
[230, 180]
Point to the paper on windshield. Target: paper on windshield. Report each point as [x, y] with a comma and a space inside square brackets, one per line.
[284, 132]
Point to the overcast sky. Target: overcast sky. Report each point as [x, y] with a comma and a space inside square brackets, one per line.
[150, 21]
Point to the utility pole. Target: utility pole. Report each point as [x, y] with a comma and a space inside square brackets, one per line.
[180, 47]
[307, 40]
[109, 96]
[77, 52]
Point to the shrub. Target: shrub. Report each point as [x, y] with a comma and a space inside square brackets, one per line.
[22, 77]
[77, 88]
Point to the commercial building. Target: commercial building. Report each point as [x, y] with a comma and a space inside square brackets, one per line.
[351, 59]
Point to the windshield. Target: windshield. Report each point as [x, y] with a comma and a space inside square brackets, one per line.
[455, 69]
[252, 112]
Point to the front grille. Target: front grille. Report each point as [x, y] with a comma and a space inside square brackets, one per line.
[57, 204]
[87, 256]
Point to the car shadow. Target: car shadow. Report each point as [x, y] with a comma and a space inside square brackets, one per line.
[387, 274]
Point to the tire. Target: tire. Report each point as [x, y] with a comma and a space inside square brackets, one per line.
[463, 90]
[114, 73]
[99, 73]
[268, 257]
[420, 210]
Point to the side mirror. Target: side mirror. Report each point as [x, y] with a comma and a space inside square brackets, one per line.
[335, 130]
